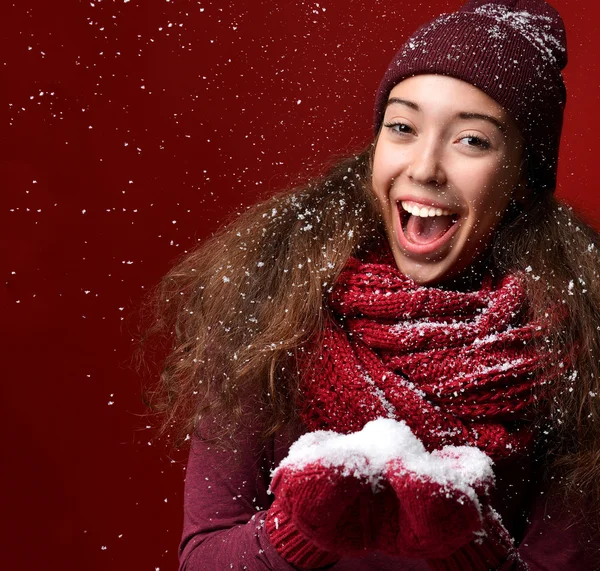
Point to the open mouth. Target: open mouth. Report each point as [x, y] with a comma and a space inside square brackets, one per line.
[424, 229]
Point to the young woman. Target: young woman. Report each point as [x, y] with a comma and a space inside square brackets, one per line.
[397, 365]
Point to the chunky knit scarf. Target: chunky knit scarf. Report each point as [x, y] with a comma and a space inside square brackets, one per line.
[458, 367]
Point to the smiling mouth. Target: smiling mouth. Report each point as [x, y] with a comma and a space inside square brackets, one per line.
[424, 229]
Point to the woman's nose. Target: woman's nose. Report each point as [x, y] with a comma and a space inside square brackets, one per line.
[425, 167]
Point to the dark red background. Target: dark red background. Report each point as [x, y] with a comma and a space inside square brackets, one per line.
[130, 130]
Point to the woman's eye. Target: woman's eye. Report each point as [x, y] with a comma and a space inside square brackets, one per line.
[475, 141]
[400, 128]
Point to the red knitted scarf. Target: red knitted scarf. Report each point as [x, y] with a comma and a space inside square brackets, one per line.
[458, 367]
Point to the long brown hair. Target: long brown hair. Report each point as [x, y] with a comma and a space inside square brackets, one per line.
[236, 309]
[238, 306]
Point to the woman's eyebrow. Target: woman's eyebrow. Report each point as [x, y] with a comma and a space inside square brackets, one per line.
[483, 117]
[403, 102]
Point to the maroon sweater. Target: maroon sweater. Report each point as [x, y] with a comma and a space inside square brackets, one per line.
[226, 498]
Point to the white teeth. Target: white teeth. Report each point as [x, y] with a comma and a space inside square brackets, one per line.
[423, 211]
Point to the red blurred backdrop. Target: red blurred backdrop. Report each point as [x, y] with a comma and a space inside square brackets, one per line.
[133, 129]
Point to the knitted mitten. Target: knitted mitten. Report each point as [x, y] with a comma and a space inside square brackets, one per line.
[323, 511]
[380, 489]
[454, 529]
[488, 551]
[293, 545]
[435, 517]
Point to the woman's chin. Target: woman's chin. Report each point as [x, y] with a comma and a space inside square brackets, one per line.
[424, 273]
[446, 273]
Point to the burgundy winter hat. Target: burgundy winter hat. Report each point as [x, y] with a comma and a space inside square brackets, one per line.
[513, 50]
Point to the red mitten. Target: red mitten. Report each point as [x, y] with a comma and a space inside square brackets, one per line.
[444, 511]
[489, 550]
[380, 489]
[293, 545]
[328, 501]
[435, 518]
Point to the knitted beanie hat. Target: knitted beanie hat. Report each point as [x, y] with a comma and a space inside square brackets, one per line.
[514, 51]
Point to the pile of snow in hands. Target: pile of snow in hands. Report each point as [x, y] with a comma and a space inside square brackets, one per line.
[365, 454]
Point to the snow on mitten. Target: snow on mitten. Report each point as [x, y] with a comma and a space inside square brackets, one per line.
[327, 500]
[444, 511]
[455, 514]
[439, 508]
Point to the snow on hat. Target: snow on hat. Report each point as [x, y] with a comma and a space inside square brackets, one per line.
[513, 50]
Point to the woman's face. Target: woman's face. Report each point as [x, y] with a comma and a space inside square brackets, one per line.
[446, 164]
